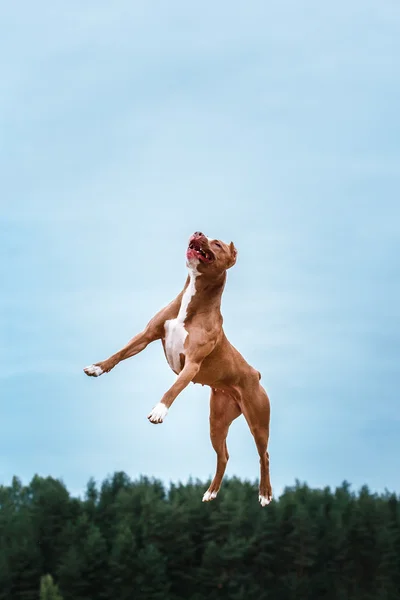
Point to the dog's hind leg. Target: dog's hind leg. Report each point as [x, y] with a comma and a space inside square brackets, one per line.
[256, 410]
[223, 410]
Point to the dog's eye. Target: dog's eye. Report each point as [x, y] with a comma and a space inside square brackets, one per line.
[218, 244]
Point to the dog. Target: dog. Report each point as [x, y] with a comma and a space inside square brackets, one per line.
[197, 350]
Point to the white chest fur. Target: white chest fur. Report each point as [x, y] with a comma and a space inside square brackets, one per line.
[175, 332]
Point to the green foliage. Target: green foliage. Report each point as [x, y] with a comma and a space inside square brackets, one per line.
[48, 589]
[135, 539]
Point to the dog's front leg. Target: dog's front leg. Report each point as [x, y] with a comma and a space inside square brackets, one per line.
[136, 345]
[187, 374]
[153, 331]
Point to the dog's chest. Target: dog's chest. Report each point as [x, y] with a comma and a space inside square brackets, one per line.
[175, 336]
[175, 332]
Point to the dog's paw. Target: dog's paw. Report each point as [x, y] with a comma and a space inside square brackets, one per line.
[264, 500]
[93, 371]
[158, 413]
[208, 496]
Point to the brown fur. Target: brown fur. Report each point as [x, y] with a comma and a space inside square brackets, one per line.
[211, 360]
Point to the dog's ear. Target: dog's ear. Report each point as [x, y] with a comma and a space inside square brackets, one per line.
[233, 253]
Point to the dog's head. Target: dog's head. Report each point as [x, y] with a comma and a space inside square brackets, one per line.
[210, 256]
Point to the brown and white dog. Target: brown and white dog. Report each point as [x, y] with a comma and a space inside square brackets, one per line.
[196, 348]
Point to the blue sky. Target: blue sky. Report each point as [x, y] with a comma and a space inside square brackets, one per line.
[126, 126]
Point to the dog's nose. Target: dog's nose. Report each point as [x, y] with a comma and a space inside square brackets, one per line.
[198, 234]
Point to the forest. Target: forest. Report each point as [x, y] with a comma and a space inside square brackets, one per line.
[138, 540]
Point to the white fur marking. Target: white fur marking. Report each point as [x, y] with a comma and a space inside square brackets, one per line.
[158, 413]
[209, 496]
[93, 370]
[264, 500]
[175, 332]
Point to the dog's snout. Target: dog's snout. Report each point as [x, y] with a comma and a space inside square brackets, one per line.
[198, 234]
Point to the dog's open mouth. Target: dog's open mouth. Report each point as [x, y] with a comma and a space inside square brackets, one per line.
[196, 251]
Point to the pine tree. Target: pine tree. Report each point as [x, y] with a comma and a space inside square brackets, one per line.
[388, 575]
[48, 589]
[71, 576]
[151, 580]
[83, 572]
[50, 510]
[123, 564]
[132, 540]
[5, 574]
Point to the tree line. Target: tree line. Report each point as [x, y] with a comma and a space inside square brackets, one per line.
[137, 540]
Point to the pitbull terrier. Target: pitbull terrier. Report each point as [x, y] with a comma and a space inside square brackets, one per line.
[197, 350]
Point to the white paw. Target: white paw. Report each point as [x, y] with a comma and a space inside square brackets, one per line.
[93, 371]
[264, 500]
[209, 496]
[158, 413]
